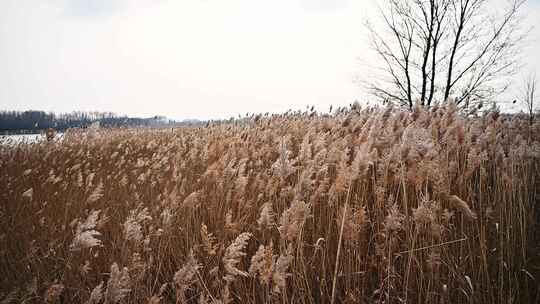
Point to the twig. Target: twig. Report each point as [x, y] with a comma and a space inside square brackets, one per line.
[432, 246]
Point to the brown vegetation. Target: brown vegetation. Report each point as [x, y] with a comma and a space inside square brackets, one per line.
[364, 206]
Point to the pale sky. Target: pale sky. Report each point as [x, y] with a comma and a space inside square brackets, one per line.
[188, 58]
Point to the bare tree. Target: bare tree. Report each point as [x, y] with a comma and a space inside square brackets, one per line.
[528, 95]
[436, 49]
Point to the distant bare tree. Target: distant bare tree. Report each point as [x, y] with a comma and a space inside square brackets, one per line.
[435, 49]
[528, 95]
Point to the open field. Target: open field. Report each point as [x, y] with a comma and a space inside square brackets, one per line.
[364, 206]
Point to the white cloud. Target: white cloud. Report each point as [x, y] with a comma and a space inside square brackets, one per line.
[324, 5]
[91, 7]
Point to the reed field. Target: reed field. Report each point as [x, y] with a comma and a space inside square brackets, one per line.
[364, 205]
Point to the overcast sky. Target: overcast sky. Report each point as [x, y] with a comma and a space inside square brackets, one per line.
[187, 58]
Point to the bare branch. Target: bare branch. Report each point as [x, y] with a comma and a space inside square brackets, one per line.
[471, 46]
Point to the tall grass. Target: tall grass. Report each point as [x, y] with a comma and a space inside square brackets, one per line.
[362, 206]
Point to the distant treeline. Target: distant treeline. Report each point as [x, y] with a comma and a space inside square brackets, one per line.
[34, 121]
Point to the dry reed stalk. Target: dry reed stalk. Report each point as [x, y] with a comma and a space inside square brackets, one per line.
[462, 206]
[232, 257]
[138, 197]
[336, 267]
